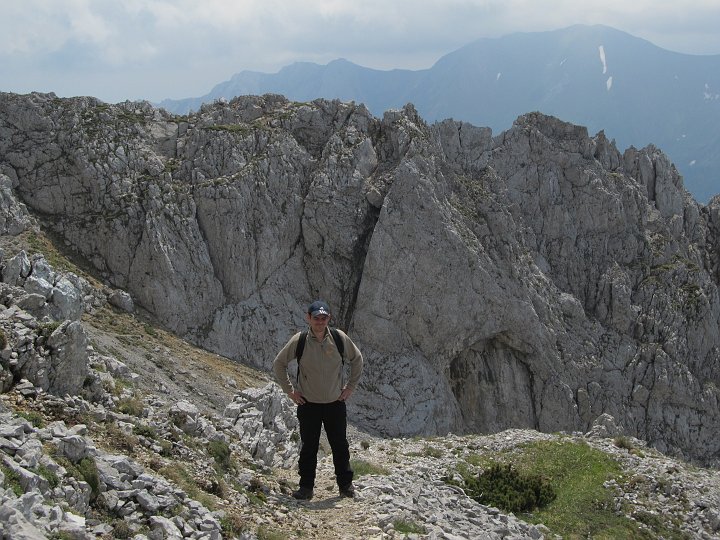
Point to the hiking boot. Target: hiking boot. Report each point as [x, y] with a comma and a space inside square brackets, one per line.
[347, 491]
[303, 493]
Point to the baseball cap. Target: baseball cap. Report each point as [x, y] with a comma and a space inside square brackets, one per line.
[318, 307]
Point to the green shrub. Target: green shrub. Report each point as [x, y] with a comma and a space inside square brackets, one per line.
[61, 535]
[35, 418]
[145, 431]
[48, 475]
[131, 406]
[220, 451]
[179, 475]
[85, 470]
[46, 329]
[256, 492]
[121, 440]
[504, 487]
[214, 486]
[166, 448]
[3, 339]
[89, 473]
[12, 480]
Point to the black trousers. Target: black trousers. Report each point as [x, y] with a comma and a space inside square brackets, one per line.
[312, 417]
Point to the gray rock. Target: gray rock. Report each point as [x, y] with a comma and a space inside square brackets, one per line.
[66, 300]
[73, 447]
[121, 300]
[14, 217]
[16, 269]
[163, 528]
[605, 426]
[33, 303]
[68, 359]
[266, 423]
[186, 416]
[39, 286]
[13, 524]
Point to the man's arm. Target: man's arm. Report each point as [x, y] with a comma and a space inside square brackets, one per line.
[281, 362]
[355, 359]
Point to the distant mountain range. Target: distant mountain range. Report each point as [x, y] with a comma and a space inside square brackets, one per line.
[594, 76]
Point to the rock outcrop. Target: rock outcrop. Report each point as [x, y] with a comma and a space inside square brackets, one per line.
[538, 278]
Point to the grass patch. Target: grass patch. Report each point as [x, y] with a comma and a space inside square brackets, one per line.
[121, 440]
[180, 476]
[256, 492]
[132, 406]
[232, 128]
[623, 442]
[233, 524]
[121, 529]
[361, 468]
[12, 481]
[582, 507]
[405, 526]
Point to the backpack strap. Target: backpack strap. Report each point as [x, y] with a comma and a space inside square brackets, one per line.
[339, 343]
[300, 346]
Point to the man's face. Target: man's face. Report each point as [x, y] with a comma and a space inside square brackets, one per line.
[318, 323]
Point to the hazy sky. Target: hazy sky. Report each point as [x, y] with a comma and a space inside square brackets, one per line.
[154, 49]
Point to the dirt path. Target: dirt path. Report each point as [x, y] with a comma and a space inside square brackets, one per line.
[327, 516]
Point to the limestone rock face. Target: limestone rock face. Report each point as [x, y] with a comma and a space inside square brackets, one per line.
[538, 278]
[45, 292]
[14, 217]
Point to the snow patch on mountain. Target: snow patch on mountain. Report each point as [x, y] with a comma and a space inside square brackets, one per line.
[602, 58]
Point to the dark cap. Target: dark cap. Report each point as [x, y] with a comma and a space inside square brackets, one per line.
[318, 307]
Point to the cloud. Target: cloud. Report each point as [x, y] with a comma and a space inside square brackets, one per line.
[175, 48]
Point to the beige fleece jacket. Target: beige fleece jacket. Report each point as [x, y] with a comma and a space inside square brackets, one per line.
[321, 368]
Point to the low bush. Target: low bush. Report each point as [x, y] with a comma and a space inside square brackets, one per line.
[220, 451]
[504, 487]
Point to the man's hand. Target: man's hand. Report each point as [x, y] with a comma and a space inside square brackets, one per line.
[345, 394]
[297, 397]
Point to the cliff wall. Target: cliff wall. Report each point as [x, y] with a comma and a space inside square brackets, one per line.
[535, 279]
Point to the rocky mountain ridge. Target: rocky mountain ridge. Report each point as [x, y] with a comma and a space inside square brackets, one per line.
[535, 279]
[595, 76]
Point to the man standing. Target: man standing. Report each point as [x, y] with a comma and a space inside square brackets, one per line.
[320, 394]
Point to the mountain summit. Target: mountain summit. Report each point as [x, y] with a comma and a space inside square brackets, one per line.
[593, 76]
